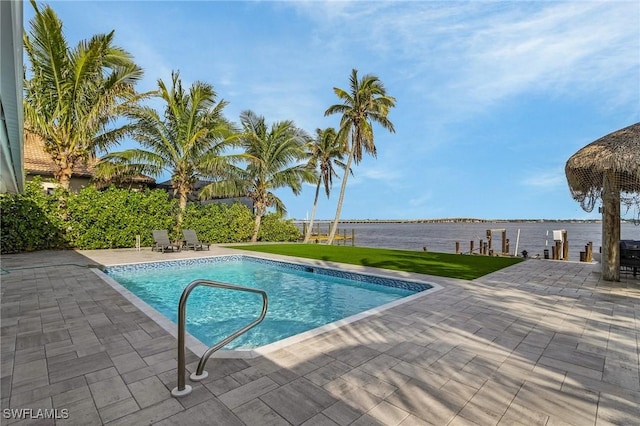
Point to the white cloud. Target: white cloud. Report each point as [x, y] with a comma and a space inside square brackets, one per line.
[421, 200]
[483, 52]
[548, 180]
[559, 44]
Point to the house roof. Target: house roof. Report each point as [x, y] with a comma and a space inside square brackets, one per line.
[38, 161]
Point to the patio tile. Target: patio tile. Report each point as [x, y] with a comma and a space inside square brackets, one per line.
[419, 373]
[211, 412]
[80, 366]
[101, 375]
[81, 413]
[298, 401]
[108, 391]
[19, 399]
[240, 395]
[148, 391]
[29, 372]
[356, 397]
[369, 383]
[74, 395]
[342, 413]
[128, 362]
[220, 386]
[387, 414]
[412, 420]
[152, 370]
[568, 366]
[479, 414]
[319, 420]
[257, 412]
[355, 355]
[328, 372]
[621, 373]
[426, 402]
[198, 395]
[618, 410]
[118, 409]
[579, 408]
[152, 414]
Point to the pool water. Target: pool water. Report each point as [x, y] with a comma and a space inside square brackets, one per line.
[300, 298]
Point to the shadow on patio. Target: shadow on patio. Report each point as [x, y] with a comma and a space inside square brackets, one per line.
[534, 343]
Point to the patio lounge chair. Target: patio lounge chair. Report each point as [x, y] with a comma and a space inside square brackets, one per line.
[191, 240]
[162, 241]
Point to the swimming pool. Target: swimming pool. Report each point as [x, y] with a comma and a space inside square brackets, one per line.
[301, 297]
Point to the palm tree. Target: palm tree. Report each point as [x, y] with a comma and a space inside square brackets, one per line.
[74, 96]
[275, 159]
[366, 102]
[188, 140]
[326, 151]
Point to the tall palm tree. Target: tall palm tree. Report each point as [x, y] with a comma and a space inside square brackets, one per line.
[188, 140]
[365, 103]
[74, 96]
[275, 158]
[327, 151]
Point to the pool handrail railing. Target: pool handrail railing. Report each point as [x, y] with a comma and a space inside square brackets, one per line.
[182, 389]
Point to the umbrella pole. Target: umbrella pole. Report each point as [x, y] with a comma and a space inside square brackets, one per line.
[610, 229]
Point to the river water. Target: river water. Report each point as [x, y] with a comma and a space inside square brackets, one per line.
[442, 237]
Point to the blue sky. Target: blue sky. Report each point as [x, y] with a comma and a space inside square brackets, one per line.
[492, 97]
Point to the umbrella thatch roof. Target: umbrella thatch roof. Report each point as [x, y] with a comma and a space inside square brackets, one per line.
[617, 155]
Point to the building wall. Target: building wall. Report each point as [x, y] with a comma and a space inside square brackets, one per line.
[11, 124]
[75, 185]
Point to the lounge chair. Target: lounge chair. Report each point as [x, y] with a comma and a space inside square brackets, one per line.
[162, 241]
[191, 240]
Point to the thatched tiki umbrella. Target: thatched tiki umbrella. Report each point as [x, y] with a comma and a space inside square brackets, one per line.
[608, 169]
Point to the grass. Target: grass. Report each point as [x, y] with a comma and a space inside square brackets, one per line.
[431, 263]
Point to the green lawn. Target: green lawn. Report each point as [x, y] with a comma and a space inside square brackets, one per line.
[440, 264]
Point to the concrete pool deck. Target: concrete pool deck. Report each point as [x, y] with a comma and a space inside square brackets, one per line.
[541, 342]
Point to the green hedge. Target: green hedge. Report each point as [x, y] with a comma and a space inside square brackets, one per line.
[273, 228]
[112, 219]
[219, 223]
[30, 221]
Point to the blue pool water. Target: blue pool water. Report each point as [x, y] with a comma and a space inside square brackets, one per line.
[300, 298]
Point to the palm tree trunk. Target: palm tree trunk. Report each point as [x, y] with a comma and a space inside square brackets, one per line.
[610, 229]
[313, 213]
[182, 196]
[63, 174]
[343, 187]
[256, 227]
[63, 177]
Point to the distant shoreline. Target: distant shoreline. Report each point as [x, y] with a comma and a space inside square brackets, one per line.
[456, 220]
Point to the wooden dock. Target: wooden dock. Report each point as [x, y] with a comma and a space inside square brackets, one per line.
[319, 237]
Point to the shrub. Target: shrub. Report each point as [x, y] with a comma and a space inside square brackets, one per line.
[30, 221]
[274, 228]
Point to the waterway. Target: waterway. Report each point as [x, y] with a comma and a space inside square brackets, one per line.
[534, 237]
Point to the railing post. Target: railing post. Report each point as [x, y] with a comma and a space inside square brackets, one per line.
[182, 389]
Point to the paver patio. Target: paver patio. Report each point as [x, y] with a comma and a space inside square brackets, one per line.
[541, 342]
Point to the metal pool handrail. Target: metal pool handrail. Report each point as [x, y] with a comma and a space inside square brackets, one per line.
[200, 374]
